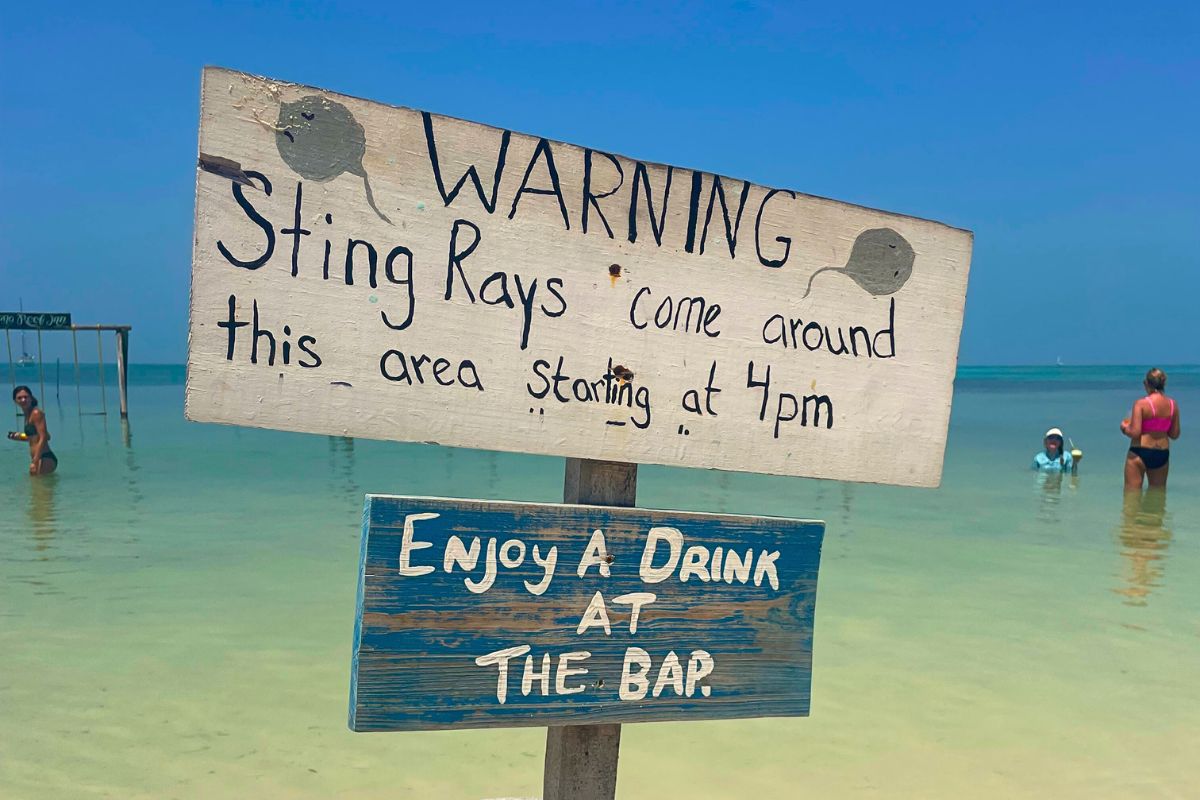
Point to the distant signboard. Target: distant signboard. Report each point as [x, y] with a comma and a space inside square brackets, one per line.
[367, 270]
[487, 614]
[34, 321]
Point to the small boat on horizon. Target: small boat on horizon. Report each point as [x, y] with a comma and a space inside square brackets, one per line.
[25, 359]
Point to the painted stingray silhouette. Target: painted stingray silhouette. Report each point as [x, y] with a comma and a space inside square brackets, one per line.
[881, 262]
[320, 139]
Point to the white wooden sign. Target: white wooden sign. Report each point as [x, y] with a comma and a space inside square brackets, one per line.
[373, 271]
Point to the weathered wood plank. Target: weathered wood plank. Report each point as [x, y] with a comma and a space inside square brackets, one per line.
[742, 641]
[373, 271]
[581, 762]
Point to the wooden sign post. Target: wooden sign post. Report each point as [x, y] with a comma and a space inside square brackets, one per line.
[581, 760]
[375, 271]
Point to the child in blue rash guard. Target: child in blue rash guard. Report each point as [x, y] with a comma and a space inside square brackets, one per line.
[1053, 457]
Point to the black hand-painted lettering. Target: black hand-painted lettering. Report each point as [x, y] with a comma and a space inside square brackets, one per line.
[402, 375]
[590, 200]
[303, 343]
[764, 384]
[408, 370]
[642, 400]
[890, 332]
[656, 226]
[489, 203]
[538, 366]
[542, 150]
[296, 231]
[406, 281]
[784, 240]
[458, 256]
[440, 366]
[231, 324]
[693, 211]
[710, 389]
[500, 297]
[255, 217]
[731, 230]
[256, 334]
[526, 306]
[559, 378]
[552, 286]
[710, 316]
[633, 308]
[795, 333]
[372, 261]
[817, 401]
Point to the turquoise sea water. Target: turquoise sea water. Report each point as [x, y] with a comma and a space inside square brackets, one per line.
[176, 609]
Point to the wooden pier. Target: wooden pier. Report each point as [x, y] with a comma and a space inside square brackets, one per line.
[43, 321]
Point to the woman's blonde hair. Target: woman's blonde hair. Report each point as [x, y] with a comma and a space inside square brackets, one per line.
[1156, 379]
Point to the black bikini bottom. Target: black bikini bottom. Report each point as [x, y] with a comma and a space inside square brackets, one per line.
[1152, 457]
[49, 454]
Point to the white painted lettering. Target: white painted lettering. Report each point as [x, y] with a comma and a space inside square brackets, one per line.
[671, 672]
[596, 614]
[714, 571]
[456, 553]
[695, 562]
[674, 539]
[766, 566]
[634, 685]
[547, 566]
[500, 658]
[408, 545]
[636, 600]
[699, 666]
[512, 562]
[566, 671]
[737, 568]
[489, 572]
[530, 675]
[595, 553]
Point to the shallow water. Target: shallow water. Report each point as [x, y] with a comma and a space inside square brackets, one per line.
[176, 609]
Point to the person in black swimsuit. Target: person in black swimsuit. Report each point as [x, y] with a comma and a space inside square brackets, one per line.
[1152, 424]
[42, 460]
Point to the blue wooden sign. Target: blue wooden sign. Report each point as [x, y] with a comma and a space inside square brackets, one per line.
[485, 614]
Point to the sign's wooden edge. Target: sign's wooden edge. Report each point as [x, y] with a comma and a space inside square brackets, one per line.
[228, 70]
[585, 506]
[933, 483]
[358, 614]
[583, 719]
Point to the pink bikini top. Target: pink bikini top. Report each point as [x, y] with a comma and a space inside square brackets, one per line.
[1157, 424]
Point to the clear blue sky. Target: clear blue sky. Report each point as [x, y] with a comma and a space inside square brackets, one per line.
[1065, 137]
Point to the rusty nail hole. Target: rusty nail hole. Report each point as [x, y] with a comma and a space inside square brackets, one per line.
[622, 373]
[600, 683]
[608, 559]
[615, 270]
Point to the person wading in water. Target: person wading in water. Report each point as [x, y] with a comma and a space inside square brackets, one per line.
[1152, 423]
[42, 460]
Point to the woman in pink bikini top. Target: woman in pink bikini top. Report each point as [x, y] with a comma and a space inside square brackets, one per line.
[1152, 423]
